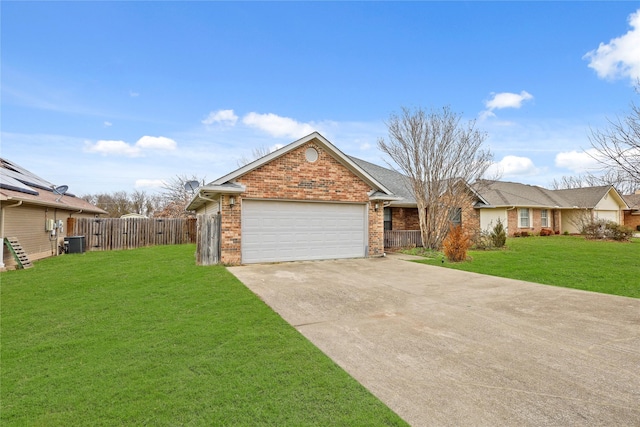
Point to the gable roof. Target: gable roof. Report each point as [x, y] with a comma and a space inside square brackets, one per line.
[508, 194]
[226, 184]
[633, 201]
[21, 185]
[504, 193]
[396, 182]
[334, 151]
[586, 197]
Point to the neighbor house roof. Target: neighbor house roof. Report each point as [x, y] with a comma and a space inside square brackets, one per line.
[584, 197]
[503, 193]
[633, 201]
[508, 194]
[20, 185]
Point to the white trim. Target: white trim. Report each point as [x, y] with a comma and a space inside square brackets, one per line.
[547, 218]
[528, 218]
[341, 157]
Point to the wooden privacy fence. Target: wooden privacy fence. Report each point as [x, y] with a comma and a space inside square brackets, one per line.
[208, 242]
[402, 238]
[105, 234]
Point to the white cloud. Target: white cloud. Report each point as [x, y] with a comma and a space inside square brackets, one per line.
[277, 126]
[621, 56]
[110, 147]
[513, 166]
[577, 161]
[133, 94]
[502, 100]
[122, 148]
[226, 117]
[107, 124]
[156, 143]
[149, 183]
[507, 100]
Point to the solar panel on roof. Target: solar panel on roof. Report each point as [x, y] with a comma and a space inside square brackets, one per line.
[10, 183]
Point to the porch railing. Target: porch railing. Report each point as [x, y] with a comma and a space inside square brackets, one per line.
[402, 238]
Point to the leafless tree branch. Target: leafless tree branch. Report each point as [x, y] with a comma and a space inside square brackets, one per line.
[439, 155]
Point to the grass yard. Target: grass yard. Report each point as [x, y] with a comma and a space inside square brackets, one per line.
[146, 337]
[567, 261]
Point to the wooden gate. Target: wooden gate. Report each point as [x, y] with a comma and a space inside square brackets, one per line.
[208, 240]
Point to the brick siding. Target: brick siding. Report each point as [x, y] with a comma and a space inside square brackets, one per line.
[407, 218]
[292, 177]
[535, 221]
[632, 221]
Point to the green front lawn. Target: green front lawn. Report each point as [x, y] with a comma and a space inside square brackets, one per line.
[567, 261]
[146, 337]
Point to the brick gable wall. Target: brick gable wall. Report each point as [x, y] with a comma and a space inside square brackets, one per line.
[292, 177]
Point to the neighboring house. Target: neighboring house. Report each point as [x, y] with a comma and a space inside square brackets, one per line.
[305, 201]
[309, 201]
[134, 215]
[34, 214]
[530, 208]
[632, 215]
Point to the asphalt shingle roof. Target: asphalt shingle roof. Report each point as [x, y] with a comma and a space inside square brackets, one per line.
[396, 182]
[633, 200]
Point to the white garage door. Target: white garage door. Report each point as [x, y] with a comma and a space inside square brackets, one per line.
[292, 231]
[608, 215]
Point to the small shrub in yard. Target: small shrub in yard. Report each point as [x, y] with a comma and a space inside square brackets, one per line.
[498, 235]
[546, 232]
[524, 234]
[456, 244]
[603, 229]
[482, 240]
[516, 234]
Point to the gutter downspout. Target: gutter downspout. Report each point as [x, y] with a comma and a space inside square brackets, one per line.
[2, 230]
[208, 200]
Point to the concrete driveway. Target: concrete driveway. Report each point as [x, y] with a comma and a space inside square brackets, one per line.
[444, 347]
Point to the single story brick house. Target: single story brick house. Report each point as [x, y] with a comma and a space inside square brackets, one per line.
[305, 201]
[309, 201]
[34, 214]
[530, 208]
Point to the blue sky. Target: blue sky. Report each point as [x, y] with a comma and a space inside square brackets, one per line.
[109, 96]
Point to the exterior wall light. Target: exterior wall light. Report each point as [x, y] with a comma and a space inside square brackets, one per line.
[232, 200]
[375, 206]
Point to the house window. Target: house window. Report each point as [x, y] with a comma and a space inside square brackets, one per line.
[544, 218]
[387, 219]
[455, 216]
[523, 218]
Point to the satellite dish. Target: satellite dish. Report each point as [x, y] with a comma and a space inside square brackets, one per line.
[60, 189]
[191, 185]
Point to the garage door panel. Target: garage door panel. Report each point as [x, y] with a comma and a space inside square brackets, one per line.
[287, 231]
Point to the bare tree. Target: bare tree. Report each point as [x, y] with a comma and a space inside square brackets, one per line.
[622, 182]
[256, 153]
[439, 155]
[176, 196]
[120, 203]
[618, 146]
